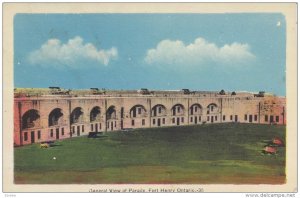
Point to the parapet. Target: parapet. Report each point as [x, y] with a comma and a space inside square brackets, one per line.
[144, 92]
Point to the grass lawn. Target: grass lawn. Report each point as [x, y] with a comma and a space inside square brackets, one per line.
[203, 154]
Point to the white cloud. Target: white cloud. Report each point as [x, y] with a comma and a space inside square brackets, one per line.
[199, 53]
[70, 53]
[278, 24]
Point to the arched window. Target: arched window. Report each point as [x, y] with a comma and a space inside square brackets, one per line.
[138, 111]
[95, 114]
[55, 117]
[111, 113]
[158, 110]
[212, 108]
[77, 115]
[195, 109]
[31, 119]
[177, 109]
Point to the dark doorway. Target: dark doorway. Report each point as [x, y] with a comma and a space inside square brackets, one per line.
[32, 137]
[271, 119]
[212, 119]
[96, 127]
[196, 120]
[122, 112]
[121, 124]
[250, 118]
[158, 122]
[178, 121]
[112, 126]
[235, 118]
[57, 133]
[78, 130]
[134, 113]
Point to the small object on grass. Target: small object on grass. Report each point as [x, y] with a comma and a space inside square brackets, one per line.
[269, 150]
[54, 158]
[277, 141]
[44, 145]
[92, 135]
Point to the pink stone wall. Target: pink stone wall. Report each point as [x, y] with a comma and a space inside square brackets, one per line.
[246, 108]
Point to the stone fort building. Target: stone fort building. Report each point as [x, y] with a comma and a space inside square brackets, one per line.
[54, 113]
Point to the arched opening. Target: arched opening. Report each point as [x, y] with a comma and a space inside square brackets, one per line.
[196, 109]
[138, 111]
[55, 117]
[77, 115]
[111, 116]
[31, 119]
[212, 108]
[95, 114]
[177, 109]
[212, 113]
[111, 113]
[195, 113]
[158, 110]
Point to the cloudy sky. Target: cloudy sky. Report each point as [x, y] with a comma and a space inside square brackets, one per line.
[234, 52]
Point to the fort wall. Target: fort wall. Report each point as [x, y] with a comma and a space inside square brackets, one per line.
[42, 116]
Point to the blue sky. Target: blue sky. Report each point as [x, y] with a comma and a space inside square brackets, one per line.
[234, 52]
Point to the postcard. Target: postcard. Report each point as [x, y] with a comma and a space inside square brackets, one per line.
[150, 97]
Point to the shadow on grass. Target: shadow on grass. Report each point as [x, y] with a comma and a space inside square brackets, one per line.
[55, 145]
[99, 137]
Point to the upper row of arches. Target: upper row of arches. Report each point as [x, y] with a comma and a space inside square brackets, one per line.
[31, 118]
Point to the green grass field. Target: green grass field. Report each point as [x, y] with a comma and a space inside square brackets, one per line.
[206, 154]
